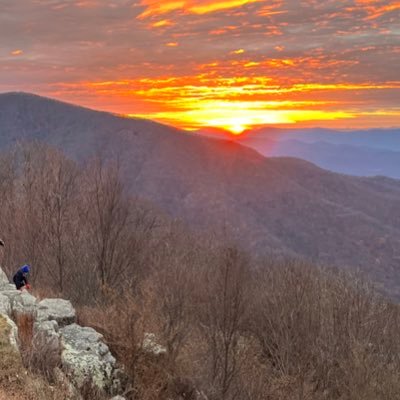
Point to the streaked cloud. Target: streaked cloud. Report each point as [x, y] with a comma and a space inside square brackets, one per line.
[156, 7]
[188, 62]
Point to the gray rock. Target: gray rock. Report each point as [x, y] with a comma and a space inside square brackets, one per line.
[5, 305]
[13, 337]
[46, 338]
[11, 293]
[9, 286]
[56, 309]
[150, 345]
[118, 398]
[46, 326]
[3, 279]
[86, 358]
[23, 303]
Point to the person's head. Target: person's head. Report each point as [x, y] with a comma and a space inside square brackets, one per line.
[26, 268]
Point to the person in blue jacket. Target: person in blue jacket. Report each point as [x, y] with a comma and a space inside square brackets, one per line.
[21, 277]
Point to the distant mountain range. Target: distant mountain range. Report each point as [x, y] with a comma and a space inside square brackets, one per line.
[270, 205]
[362, 153]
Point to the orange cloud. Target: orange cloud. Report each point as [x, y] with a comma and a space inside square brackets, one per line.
[375, 8]
[239, 103]
[198, 7]
[162, 23]
[155, 7]
[239, 51]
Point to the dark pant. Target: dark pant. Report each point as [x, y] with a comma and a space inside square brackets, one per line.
[18, 284]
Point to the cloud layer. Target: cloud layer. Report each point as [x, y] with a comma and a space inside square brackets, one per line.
[227, 63]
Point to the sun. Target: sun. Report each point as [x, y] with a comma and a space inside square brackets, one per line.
[236, 126]
[236, 129]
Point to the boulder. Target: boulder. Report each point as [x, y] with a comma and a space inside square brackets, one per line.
[23, 303]
[87, 360]
[3, 279]
[5, 305]
[58, 310]
[11, 293]
[9, 286]
[46, 338]
[13, 336]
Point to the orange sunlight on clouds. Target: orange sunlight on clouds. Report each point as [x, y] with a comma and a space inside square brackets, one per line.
[155, 7]
[231, 64]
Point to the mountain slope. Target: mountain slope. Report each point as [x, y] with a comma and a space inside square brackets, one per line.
[284, 206]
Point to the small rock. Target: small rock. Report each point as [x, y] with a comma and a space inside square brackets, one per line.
[118, 398]
[150, 345]
[56, 309]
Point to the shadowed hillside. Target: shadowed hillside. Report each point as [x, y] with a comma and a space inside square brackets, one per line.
[284, 206]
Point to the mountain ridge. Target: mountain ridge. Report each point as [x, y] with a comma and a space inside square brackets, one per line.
[359, 152]
[281, 206]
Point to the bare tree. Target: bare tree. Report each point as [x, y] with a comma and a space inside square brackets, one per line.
[225, 303]
[58, 196]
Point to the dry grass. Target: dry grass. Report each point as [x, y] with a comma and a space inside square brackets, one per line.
[16, 383]
[11, 368]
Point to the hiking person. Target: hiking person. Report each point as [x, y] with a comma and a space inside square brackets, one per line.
[21, 277]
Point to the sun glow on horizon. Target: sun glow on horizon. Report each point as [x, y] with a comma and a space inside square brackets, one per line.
[238, 116]
[236, 103]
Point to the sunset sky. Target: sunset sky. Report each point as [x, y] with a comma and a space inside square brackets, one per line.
[232, 64]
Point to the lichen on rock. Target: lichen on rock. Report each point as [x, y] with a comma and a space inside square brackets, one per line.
[86, 358]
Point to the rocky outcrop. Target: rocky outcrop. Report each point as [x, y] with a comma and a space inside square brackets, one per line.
[84, 357]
